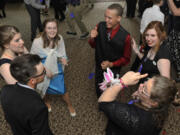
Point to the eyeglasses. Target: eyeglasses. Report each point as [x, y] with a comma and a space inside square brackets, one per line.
[144, 91]
[43, 73]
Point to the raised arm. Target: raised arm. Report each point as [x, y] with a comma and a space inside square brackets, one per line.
[173, 8]
[93, 35]
[136, 49]
[130, 78]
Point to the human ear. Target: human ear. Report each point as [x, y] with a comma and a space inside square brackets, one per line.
[119, 18]
[32, 81]
[6, 46]
[154, 104]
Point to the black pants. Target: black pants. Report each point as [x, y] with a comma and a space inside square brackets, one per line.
[143, 4]
[131, 8]
[2, 8]
[59, 8]
[58, 12]
[35, 20]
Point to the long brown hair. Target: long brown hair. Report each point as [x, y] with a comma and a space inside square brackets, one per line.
[161, 33]
[7, 33]
[46, 41]
[163, 92]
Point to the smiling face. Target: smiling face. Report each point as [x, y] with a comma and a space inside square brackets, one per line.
[111, 18]
[16, 45]
[51, 29]
[151, 38]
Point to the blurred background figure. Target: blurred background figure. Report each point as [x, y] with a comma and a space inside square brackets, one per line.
[152, 14]
[143, 4]
[74, 12]
[88, 3]
[131, 8]
[2, 8]
[173, 41]
[59, 8]
[33, 7]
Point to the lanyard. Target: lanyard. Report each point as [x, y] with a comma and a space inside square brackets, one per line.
[133, 101]
[141, 66]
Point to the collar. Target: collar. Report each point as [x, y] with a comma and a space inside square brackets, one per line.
[24, 85]
[114, 30]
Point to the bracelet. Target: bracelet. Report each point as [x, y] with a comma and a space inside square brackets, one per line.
[122, 83]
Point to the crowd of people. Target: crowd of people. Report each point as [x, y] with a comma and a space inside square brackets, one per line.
[32, 75]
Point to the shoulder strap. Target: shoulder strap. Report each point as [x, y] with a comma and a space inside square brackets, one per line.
[4, 60]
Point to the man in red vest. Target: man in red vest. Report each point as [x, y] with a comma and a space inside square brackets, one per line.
[112, 44]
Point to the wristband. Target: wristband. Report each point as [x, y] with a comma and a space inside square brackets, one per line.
[122, 83]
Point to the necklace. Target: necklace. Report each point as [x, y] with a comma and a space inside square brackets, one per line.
[9, 56]
[151, 54]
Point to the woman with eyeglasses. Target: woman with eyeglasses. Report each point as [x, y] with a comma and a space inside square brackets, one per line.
[12, 45]
[156, 59]
[145, 114]
[50, 47]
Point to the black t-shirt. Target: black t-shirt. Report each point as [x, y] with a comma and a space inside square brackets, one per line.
[125, 119]
[150, 66]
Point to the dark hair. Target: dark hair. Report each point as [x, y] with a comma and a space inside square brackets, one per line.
[116, 7]
[7, 33]
[23, 67]
[156, 1]
[160, 30]
[46, 41]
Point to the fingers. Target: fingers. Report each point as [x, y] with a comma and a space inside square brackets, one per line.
[96, 28]
[132, 40]
[143, 76]
[139, 76]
